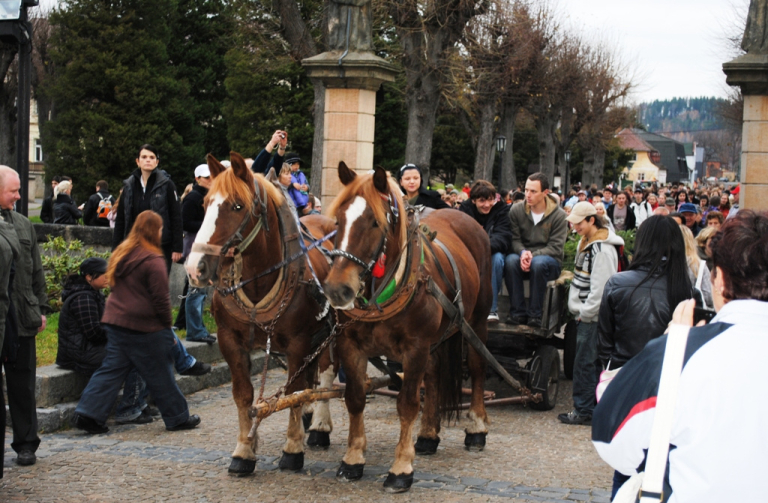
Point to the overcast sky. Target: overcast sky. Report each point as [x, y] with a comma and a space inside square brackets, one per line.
[675, 47]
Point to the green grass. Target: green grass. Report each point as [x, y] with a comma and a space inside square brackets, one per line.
[35, 220]
[48, 340]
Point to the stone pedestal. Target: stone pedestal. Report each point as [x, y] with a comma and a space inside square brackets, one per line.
[750, 72]
[351, 83]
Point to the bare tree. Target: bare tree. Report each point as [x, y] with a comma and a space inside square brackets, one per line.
[427, 31]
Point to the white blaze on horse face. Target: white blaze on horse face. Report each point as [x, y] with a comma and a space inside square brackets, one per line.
[354, 211]
[204, 235]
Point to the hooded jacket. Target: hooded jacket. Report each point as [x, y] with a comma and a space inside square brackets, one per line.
[162, 199]
[596, 261]
[139, 299]
[545, 238]
[496, 224]
[82, 338]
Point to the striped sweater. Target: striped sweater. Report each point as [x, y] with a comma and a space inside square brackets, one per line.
[596, 261]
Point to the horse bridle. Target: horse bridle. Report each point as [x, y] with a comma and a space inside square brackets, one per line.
[226, 250]
[368, 266]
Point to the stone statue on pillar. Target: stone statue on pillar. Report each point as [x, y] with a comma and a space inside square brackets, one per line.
[350, 20]
[755, 39]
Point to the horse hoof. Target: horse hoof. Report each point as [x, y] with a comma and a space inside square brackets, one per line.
[398, 483]
[319, 439]
[242, 467]
[426, 446]
[307, 420]
[475, 441]
[293, 462]
[350, 472]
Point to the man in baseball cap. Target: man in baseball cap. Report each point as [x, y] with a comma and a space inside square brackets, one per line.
[690, 217]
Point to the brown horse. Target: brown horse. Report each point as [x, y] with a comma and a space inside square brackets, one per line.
[402, 319]
[250, 233]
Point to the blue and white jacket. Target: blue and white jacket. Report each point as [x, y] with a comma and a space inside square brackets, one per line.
[719, 437]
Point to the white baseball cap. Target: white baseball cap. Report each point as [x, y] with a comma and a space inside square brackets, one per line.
[203, 171]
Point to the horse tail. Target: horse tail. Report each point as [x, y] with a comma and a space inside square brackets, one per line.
[449, 376]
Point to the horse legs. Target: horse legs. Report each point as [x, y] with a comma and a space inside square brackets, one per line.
[355, 364]
[477, 430]
[400, 477]
[428, 439]
[293, 451]
[322, 425]
[239, 361]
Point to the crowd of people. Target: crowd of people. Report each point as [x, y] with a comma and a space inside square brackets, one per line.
[693, 249]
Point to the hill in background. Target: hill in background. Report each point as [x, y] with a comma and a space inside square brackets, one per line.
[682, 118]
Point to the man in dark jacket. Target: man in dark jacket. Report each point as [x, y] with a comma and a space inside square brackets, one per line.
[149, 188]
[46, 212]
[96, 204]
[192, 216]
[28, 303]
[690, 217]
[265, 160]
[492, 215]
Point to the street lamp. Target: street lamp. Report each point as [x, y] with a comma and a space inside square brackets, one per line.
[501, 146]
[15, 29]
[567, 156]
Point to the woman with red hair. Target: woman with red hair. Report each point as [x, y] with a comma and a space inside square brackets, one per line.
[137, 319]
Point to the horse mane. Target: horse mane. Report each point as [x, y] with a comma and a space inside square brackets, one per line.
[235, 189]
[363, 186]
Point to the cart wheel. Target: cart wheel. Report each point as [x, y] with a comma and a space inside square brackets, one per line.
[569, 352]
[543, 377]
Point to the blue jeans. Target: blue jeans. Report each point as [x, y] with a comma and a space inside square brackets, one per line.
[151, 355]
[543, 269]
[586, 369]
[195, 328]
[497, 277]
[135, 390]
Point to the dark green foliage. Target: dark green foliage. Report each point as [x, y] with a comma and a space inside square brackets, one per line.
[681, 114]
[60, 259]
[391, 126]
[452, 150]
[130, 72]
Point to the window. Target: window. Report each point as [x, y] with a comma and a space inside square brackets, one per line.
[38, 150]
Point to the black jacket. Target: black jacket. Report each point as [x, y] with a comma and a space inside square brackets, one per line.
[65, 211]
[91, 209]
[82, 339]
[192, 210]
[631, 221]
[496, 224]
[160, 197]
[430, 199]
[46, 212]
[630, 316]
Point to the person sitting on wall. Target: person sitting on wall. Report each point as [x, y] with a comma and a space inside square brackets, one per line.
[539, 230]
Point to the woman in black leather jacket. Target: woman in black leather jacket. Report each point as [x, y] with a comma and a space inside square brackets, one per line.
[64, 209]
[638, 304]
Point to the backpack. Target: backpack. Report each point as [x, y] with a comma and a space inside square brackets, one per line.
[623, 259]
[105, 206]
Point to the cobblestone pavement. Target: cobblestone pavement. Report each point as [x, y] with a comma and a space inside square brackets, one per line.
[529, 456]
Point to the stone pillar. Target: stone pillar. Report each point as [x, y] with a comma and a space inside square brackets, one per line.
[351, 83]
[750, 72]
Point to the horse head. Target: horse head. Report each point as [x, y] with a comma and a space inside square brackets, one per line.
[366, 213]
[230, 215]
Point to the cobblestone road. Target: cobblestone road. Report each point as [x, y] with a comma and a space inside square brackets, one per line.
[530, 456]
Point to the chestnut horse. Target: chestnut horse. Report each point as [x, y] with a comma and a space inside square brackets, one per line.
[250, 233]
[402, 317]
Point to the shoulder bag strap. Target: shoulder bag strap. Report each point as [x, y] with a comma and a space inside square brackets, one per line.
[658, 450]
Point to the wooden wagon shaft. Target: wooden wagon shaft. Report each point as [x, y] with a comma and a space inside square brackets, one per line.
[487, 395]
[265, 409]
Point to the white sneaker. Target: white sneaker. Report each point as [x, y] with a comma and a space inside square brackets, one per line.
[493, 317]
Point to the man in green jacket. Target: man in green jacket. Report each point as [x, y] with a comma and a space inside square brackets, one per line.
[28, 303]
[539, 230]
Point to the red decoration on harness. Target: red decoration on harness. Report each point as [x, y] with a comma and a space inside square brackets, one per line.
[378, 268]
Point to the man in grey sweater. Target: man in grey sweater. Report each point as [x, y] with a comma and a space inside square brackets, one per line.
[539, 230]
